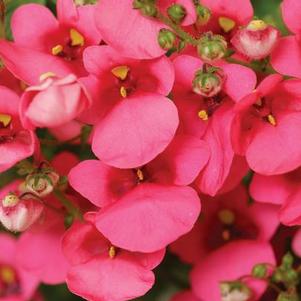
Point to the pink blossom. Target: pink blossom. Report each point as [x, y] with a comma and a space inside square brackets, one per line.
[262, 123]
[227, 218]
[53, 103]
[127, 103]
[15, 283]
[16, 143]
[47, 44]
[102, 272]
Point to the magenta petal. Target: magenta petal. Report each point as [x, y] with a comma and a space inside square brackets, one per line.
[34, 16]
[296, 243]
[106, 279]
[237, 89]
[286, 57]
[66, 11]
[34, 63]
[228, 264]
[271, 146]
[291, 13]
[181, 162]
[135, 131]
[100, 183]
[163, 214]
[290, 213]
[126, 29]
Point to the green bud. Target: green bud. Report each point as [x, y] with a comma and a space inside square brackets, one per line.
[277, 276]
[290, 277]
[146, 7]
[203, 15]
[212, 47]
[286, 296]
[177, 13]
[166, 39]
[287, 261]
[260, 271]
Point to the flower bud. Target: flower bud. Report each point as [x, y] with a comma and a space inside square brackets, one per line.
[208, 82]
[17, 214]
[203, 15]
[256, 41]
[166, 39]
[260, 271]
[177, 13]
[287, 261]
[212, 47]
[234, 291]
[41, 184]
[146, 7]
[287, 296]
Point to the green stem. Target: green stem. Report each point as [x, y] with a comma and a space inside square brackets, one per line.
[177, 29]
[70, 207]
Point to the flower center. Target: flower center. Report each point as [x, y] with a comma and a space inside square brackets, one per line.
[264, 111]
[72, 48]
[9, 282]
[124, 81]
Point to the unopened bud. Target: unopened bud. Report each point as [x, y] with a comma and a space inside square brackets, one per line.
[235, 291]
[10, 200]
[203, 15]
[260, 271]
[208, 82]
[287, 261]
[212, 47]
[166, 39]
[146, 7]
[287, 296]
[177, 13]
[41, 185]
[22, 215]
[256, 41]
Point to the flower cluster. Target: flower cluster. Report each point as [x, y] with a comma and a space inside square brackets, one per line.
[130, 126]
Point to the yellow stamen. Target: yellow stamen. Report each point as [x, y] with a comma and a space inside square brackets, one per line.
[10, 200]
[56, 50]
[5, 119]
[23, 85]
[123, 92]
[121, 72]
[77, 39]
[46, 75]
[226, 235]
[112, 252]
[226, 24]
[203, 115]
[7, 275]
[140, 174]
[257, 25]
[226, 216]
[272, 120]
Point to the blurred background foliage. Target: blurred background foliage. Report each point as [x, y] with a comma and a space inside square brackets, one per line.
[171, 275]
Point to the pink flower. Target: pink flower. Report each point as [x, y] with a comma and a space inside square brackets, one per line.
[228, 263]
[47, 44]
[16, 143]
[126, 29]
[210, 118]
[262, 123]
[286, 57]
[15, 283]
[227, 218]
[296, 243]
[256, 41]
[129, 101]
[18, 212]
[53, 103]
[100, 271]
[152, 196]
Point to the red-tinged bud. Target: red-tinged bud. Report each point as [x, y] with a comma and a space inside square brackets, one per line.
[256, 41]
[177, 13]
[41, 184]
[166, 39]
[203, 15]
[208, 82]
[17, 215]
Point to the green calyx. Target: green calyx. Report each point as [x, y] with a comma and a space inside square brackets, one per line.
[176, 13]
[260, 271]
